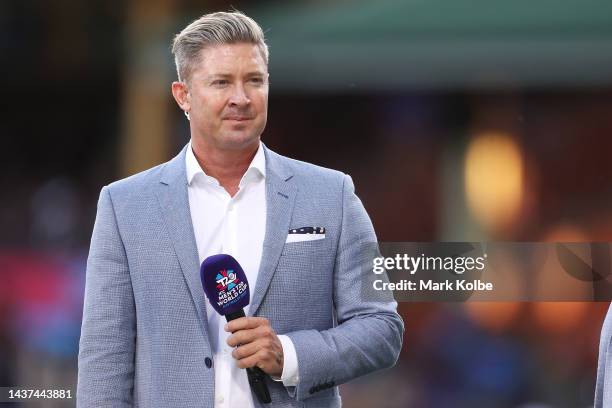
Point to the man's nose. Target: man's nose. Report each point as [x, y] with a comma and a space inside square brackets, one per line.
[239, 96]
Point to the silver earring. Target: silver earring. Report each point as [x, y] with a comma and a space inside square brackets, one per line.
[187, 114]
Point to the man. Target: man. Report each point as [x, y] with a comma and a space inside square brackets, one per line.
[149, 337]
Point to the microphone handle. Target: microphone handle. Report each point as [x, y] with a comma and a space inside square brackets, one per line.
[257, 378]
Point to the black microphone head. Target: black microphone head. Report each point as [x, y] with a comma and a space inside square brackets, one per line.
[224, 283]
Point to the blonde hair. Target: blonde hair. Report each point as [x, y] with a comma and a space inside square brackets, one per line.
[214, 29]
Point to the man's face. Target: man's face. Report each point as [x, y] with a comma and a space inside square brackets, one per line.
[228, 96]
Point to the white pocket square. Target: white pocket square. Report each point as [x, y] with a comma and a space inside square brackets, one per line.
[305, 234]
[304, 237]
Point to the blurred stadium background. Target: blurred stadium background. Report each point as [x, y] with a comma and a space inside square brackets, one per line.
[468, 120]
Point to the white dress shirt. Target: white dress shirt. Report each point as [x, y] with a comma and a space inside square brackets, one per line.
[235, 226]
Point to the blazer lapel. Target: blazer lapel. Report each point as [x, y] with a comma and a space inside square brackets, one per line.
[280, 198]
[174, 202]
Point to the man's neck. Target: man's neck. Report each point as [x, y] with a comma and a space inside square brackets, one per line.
[227, 166]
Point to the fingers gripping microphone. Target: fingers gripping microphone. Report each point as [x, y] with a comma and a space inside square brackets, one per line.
[227, 290]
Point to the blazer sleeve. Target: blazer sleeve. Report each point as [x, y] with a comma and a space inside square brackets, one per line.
[108, 332]
[603, 391]
[369, 333]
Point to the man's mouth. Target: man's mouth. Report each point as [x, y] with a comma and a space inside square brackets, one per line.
[238, 118]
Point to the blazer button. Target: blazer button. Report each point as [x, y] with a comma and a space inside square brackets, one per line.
[208, 362]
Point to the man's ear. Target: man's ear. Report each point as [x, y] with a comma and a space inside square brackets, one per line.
[181, 95]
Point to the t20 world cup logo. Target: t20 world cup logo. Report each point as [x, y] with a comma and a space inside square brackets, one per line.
[226, 279]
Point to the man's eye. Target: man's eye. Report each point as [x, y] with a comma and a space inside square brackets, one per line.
[220, 82]
[256, 80]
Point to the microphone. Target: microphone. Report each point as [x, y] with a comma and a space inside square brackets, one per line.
[227, 290]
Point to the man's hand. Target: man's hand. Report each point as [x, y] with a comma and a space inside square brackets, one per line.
[257, 345]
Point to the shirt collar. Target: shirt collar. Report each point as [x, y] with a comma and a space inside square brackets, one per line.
[257, 166]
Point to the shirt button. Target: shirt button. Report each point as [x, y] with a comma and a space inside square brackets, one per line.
[220, 399]
[208, 362]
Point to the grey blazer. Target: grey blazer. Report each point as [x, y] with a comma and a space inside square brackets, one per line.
[603, 388]
[144, 337]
